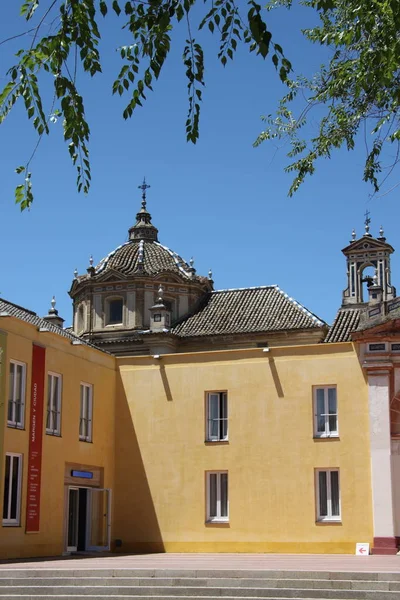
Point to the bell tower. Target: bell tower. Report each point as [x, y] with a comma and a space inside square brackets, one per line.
[364, 253]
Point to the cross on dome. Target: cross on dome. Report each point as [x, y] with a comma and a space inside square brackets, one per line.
[143, 229]
[144, 187]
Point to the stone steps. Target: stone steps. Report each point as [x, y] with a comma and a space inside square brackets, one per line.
[195, 592]
[227, 583]
[142, 584]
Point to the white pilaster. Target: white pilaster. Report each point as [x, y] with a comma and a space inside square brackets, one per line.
[378, 390]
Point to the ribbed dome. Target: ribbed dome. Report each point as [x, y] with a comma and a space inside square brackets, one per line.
[145, 258]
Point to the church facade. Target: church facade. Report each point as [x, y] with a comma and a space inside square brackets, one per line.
[176, 417]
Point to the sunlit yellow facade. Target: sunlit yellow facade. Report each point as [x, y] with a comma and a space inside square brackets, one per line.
[271, 454]
[149, 448]
[60, 453]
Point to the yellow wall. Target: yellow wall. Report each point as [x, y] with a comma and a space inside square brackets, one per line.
[149, 426]
[271, 455]
[75, 364]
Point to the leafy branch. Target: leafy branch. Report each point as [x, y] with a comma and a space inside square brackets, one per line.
[70, 46]
[359, 89]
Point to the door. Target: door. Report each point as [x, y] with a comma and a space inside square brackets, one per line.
[73, 519]
[98, 519]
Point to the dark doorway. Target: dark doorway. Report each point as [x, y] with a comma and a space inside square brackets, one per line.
[82, 519]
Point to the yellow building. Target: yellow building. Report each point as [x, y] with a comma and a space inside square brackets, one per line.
[263, 481]
[176, 417]
[57, 438]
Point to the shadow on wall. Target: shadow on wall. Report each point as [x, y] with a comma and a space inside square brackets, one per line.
[165, 382]
[275, 377]
[136, 527]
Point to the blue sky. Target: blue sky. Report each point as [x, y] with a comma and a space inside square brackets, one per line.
[222, 201]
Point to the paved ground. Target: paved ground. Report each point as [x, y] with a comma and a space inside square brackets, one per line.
[196, 562]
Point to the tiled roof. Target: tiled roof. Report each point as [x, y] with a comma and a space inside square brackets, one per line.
[13, 310]
[247, 310]
[346, 321]
[145, 257]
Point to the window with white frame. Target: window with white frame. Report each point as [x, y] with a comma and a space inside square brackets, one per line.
[53, 420]
[325, 412]
[328, 494]
[12, 489]
[217, 496]
[217, 416]
[86, 413]
[16, 394]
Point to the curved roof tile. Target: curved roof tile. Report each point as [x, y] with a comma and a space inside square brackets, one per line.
[247, 310]
[346, 321]
[157, 258]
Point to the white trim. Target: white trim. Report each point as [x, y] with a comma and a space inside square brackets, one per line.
[12, 422]
[8, 522]
[328, 517]
[327, 433]
[219, 437]
[86, 412]
[55, 411]
[218, 518]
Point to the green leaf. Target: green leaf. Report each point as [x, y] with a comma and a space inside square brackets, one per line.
[116, 7]
[103, 8]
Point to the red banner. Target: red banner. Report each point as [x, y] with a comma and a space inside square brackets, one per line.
[35, 439]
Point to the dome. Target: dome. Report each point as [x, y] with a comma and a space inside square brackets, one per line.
[144, 258]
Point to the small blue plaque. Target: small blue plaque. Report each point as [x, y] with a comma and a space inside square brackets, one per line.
[82, 474]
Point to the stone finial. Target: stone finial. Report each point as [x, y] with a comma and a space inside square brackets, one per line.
[381, 232]
[192, 270]
[53, 316]
[76, 274]
[367, 222]
[210, 274]
[91, 270]
[353, 235]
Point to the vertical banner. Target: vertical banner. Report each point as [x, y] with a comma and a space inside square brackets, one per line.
[3, 400]
[35, 439]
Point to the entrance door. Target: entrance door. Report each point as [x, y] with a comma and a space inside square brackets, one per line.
[73, 519]
[98, 519]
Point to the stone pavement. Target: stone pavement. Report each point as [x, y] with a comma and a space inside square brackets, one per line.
[202, 562]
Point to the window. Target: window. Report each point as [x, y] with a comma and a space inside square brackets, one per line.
[217, 416]
[325, 412]
[217, 496]
[85, 422]
[328, 495]
[114, 313]
[53, 421]
[12, 489]
[16, 395]
[81, 318]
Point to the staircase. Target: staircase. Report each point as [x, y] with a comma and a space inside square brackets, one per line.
[45, 584]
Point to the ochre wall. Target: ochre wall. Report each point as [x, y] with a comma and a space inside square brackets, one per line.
[271, 455]
[75, 364]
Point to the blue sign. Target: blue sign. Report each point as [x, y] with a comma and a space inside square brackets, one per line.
[82, 474]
